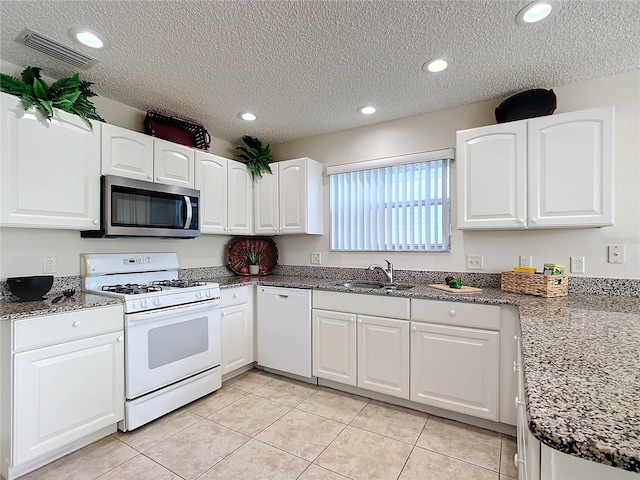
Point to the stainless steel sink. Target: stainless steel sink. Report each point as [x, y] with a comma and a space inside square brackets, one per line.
[397, 287]
[373, 285]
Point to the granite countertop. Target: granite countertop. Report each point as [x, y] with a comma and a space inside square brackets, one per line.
[581, 360]
[12, 310]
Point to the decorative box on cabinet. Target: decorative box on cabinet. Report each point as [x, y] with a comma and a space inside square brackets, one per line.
[515, 175]
[290, 200]
[225, 195]
[49, 171]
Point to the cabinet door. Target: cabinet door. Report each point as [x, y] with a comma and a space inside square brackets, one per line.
[455, 368]
[334, 346]
[266, 203]
[126, 153]
[173, 164]
[240, 197]
[211, 180]
[65, 392]
[571, 169]
[50, 171]
[491, 167]
[293, 196]
[237, 337]
[383, 355]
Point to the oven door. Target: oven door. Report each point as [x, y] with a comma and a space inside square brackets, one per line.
[167, 345]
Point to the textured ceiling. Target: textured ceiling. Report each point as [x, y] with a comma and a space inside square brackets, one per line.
[304, 67]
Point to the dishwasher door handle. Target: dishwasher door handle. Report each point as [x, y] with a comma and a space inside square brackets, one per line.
[283, 296]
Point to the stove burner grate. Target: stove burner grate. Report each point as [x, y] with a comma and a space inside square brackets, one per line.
[179, 283]
[131, 288]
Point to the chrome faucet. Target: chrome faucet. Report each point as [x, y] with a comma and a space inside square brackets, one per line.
[388, 272]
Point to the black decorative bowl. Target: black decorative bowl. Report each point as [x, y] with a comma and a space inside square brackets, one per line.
[29, 289]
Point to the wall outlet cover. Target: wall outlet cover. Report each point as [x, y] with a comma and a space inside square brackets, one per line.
[316, 258]
[526, 261]
[475, 262]
[616, 253]
[577, 265]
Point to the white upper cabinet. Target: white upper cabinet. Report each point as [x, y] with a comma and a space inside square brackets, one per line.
[136, 155]
[240, 198]
[571, 169]
[126, 153]
[266, 203]
[225, 195]
[491, 165]
[173, 164]
[50, 171]
[291, 200]
[545, 172]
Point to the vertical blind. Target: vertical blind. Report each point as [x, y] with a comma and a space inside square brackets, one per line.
[398, 208]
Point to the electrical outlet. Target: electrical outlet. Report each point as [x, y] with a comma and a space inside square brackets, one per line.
[616, 253]
[577, 264]
[526, 261]
[48, 264]
[316, 258]
[475, 262]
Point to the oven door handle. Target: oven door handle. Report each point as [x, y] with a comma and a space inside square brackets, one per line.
[154, 315]
[187, 202]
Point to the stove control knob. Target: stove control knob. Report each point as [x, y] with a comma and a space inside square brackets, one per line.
[143, 303]
[156, 302]
[198, 295]
[208, 293]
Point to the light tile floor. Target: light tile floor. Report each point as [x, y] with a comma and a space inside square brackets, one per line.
[263, 426]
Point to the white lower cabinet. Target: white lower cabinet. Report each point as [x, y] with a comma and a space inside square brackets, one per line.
[360, 349]
[237, 328]
[383, 355]
[334, 346]
[62, 384]
[455, 368]
[65, 392]
[455, 356]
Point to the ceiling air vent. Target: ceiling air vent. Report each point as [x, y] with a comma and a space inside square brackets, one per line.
[54, 49]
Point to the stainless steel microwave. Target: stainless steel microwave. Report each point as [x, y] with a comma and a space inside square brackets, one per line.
[134, 208]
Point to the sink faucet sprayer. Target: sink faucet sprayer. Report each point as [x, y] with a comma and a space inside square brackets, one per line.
[388, 272]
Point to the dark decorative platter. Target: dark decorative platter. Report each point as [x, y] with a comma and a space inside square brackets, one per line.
[265, 247]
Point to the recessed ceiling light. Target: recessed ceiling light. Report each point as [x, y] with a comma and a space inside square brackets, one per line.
[367, 110]
[436, 65]
[536, 11]
[247, 116]
[88, 37]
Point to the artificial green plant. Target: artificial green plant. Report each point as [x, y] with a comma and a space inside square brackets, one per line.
[255, 156]
[68, 94]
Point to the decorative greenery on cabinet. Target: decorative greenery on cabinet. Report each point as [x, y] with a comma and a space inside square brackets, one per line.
[67, 94]
[255, 156]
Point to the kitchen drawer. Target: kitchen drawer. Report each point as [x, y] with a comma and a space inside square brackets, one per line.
[230, 297]
[377, 305]
[456, 313]
[63, 327]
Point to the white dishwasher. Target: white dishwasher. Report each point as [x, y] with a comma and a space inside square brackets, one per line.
[284, 330]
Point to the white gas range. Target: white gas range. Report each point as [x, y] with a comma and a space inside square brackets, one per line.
[172, 330]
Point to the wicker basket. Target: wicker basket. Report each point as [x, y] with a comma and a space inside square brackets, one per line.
[177, 130]
[534, 284]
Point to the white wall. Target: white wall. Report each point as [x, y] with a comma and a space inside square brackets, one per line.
[500, 249]
[21, 250]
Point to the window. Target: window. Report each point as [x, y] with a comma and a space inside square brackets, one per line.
[393, 204]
